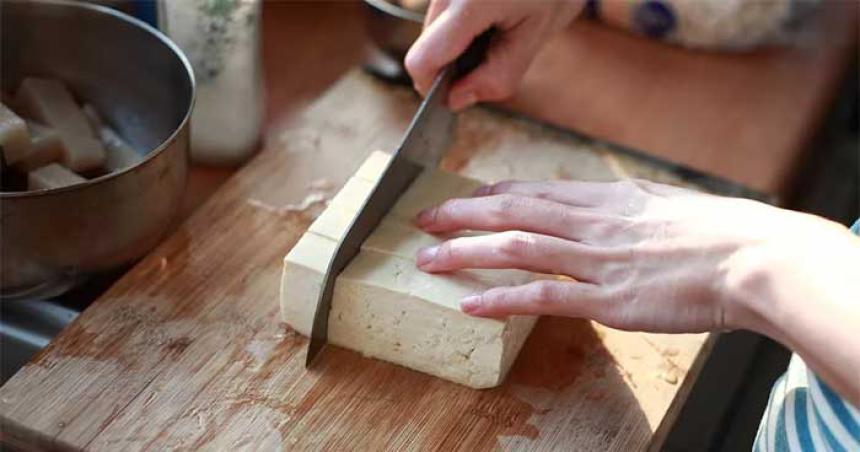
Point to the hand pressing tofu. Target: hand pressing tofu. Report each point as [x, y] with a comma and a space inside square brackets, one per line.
[49, 102]
[52, 176]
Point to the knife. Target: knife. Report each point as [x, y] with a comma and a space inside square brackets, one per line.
[427, 138]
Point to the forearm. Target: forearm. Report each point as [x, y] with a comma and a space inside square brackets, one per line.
[808, 298]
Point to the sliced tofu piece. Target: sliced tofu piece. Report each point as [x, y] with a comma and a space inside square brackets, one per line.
[373, 166]
[52, 176]
[119, 154]
[48, 101]
[304, 268]
[335, 220]
[384, 307]
[14, 136]
[45, 148]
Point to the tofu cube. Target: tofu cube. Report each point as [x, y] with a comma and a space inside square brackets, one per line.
[119, 154]
[48, 101]
[45, 148]
[14, 136]
[52, 176]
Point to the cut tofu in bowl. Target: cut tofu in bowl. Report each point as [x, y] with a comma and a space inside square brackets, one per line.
[47, 136]
[94, 127]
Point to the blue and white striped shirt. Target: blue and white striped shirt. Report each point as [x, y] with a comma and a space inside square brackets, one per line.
[804, 414]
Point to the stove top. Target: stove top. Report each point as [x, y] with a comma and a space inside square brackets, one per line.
[28, 326]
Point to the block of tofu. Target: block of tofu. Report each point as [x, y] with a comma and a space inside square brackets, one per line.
[49, 102]
[52, 176]
[14, 136]
[118, 153]
[385, 308]
[45, 148]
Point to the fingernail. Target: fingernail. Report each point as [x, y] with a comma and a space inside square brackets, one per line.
[464, 100]
[426, 255]
[470, 304]
[425, 217]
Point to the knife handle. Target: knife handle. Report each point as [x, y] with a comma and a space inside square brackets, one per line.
[474, 55]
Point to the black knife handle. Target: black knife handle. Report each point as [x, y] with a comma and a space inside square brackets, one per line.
[474, 55]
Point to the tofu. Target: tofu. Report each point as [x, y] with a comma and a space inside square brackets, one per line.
[373, 166]
[14, 136]
[431, 188]
[52, 176]
[302, 279]
[335, 220]
[45, 148]
[118, 153]
[398, 239]
[384, 307]
[49, 102]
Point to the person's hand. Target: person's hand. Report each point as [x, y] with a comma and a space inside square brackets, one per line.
[642, 256]
[451, 25]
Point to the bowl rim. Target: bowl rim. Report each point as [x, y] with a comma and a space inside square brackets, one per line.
[157, 150]
[392, 9]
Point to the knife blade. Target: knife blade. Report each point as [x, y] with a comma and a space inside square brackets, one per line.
[427, 138]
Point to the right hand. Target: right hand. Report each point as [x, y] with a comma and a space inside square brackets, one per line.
[451, 25]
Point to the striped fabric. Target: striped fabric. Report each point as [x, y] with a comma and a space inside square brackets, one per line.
[804, 414]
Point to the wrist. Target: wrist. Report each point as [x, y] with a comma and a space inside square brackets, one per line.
[772, 283]
[744, 296]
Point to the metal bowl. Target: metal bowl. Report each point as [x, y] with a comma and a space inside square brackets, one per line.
[142, 83]
[392, 30]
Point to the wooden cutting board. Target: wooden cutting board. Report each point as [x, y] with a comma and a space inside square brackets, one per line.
[188, 350]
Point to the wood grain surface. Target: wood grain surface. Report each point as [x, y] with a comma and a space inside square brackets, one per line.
[748, 117]
[187, 350]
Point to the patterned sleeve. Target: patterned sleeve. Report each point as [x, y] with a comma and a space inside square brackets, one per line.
[804, 414]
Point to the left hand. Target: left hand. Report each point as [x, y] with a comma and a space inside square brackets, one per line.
[650, 257]
[639, 255]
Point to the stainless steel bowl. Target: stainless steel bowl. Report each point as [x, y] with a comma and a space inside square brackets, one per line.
[392, 29]
[143, 84]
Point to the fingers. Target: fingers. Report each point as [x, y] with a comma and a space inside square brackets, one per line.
[499, 76]
[624, 197]
[511, 212]
[561, 298]
[446, 38]
[514, 249]
[574, 193]
[436, 7]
